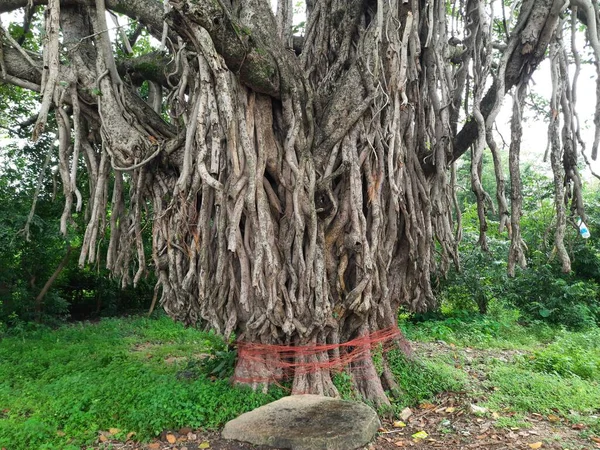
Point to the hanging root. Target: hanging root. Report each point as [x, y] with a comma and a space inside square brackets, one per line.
[296, 201]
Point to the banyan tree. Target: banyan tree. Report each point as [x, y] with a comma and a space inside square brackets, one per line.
[297, 182]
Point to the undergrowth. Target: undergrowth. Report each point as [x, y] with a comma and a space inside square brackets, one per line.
[59, 388]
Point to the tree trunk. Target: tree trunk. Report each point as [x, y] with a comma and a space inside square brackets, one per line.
[39, 300]
[296, 201]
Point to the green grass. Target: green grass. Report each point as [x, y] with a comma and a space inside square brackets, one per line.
[520, 390]
[422, 380]
[571, 354]
[481, 332]
[59, 388]
[84, 378]
[558, 372]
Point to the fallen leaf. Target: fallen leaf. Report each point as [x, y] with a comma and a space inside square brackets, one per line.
[427, 405]
[60, 433]
[185, 430]
[553, 418]
[130, 435]
[450, 410]
[399, 424]
[405, 414]
[154, 446]
[114, 430]
[171, 439]
[420, 435]
[579, 426]
[103, 438]
[595, 439]
[476, 409]
[536, 445]
[495, 415]
[204, 444]
[399, 443]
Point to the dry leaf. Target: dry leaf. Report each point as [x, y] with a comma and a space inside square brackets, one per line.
[553, 418]
[405, 414]
[579, 426]
[450, 409]
[420, 435]
[204, 444]
[595, 439]
[130, 435]
[476, 409]
[171, 439]
[114, 430]
[60, 433]
[399, 424]
[399, 443]
[495, 415]
[103, 438]
[536, 445]
[154, 446]
[427, 405]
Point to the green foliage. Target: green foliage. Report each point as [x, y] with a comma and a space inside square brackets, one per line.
[541, 292]
[544, 293]
[81, 379]
[345, 386]
[26, 265]
[421, 380]
[526, 391]
[572, 354]
[499, 329]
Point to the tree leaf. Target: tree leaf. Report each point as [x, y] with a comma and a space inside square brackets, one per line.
[420, 435]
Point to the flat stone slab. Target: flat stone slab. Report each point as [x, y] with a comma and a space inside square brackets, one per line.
[306, 422]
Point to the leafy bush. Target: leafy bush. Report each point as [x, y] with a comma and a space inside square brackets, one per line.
[544, 293]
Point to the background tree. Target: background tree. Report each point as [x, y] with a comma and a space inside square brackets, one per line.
[298, 189]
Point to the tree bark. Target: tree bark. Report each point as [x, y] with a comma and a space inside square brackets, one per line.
[39, 300]
[296, 200]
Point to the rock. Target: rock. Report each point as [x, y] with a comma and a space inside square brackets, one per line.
[306, 422]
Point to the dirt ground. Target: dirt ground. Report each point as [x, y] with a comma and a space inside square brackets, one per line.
[456, 430]
[449, 422]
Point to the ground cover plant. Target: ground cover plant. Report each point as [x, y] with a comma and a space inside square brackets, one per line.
[59, 388]
[139, 377]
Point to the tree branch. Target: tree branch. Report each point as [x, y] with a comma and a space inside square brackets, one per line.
[529, 52]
